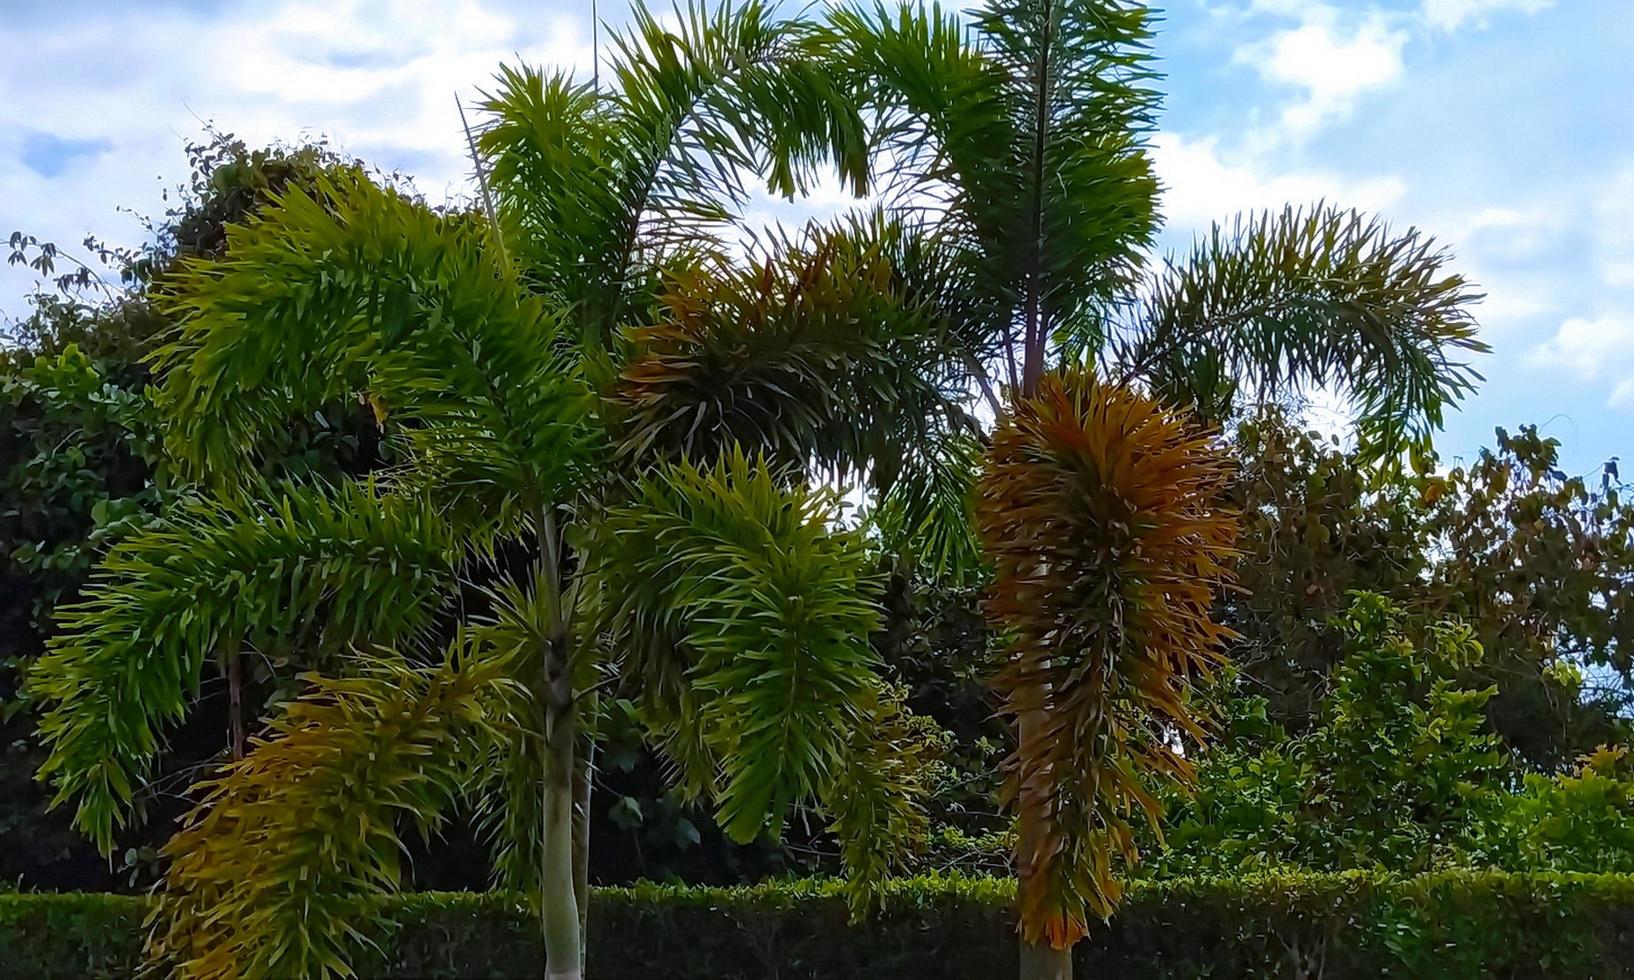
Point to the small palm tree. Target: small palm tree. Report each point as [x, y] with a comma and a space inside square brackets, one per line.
[603, 418]
[1017, 158]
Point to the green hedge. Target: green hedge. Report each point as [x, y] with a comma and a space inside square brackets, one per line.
[1334, 926]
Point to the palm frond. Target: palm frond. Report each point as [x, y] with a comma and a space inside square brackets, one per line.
[943, 118]
[816, 351]
[281, 869]
[604, 187]
[1101, 514]
[927, 514]
[1311, 297]
[1023, 134]
[1078, 73]
[350, 561]
[359, 292]
[877, 798]
[763, 668]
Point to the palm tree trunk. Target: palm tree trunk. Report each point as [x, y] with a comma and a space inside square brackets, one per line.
[1041, 961]
[233, 671]
[558, 899]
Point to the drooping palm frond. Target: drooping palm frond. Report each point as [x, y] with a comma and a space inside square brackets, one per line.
[279, 871]
[761, 612]
[927, 514]
[1101, 513]
[1317, 296]
[350, 561]
[876, 799]
[600, 188]
[816, 351]
[359, 292]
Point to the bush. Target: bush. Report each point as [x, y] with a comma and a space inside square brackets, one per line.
[1350, 925]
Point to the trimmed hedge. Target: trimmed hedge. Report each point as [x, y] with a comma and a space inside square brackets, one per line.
[1472, 924]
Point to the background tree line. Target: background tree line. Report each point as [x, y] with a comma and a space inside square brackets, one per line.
[1535, 560]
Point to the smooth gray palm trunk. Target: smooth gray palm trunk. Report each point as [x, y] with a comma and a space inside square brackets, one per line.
[558, 905]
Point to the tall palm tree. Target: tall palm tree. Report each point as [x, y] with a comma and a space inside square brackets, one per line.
[1015, 149]
[606, 420]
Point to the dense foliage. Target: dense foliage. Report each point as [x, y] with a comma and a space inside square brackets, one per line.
[555, 483]
[1459, 926]
[81, 468]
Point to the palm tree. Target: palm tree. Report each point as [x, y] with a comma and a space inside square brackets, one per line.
[1015, 147]
[606, 420]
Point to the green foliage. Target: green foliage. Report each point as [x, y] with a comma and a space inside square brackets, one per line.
[1536, 563]
[1399, 773]
[599, 192]
[1325, 296]
[280, 869]
[81, 446]
[1572, 821]
[927, 516]
[746, 617]
[1400, 757]
[357, 291]
[310, 566]
[1352, 927]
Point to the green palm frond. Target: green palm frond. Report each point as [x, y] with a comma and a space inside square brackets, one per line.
[1079, 75]
[877, 799]
[764, 609]
[599, 189]
[816, 351]
[280, 870]
[1025, 139]
[1317, 296]
[351, 561]
[942, 117]
[360, 292]
[927, 514]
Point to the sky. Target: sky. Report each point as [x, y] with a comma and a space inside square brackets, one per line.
[1504, 128]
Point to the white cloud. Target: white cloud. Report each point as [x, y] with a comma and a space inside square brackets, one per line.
[1614, 218]
[1201, 185]
[1450, 15]
[1334, 60]
[1622, 396]
[141, 79]
[1589, 348]
[1509, 233]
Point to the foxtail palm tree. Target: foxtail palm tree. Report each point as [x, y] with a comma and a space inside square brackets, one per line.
[604, 421]
[1015, 148]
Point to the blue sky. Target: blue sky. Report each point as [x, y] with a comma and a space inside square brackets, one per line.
[1503, 127]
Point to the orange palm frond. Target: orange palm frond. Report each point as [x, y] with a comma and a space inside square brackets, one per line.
[1100, 511]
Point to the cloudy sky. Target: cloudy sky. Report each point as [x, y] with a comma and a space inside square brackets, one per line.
[1504, 127]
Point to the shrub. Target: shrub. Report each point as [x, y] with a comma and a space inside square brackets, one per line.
[1343, 926]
